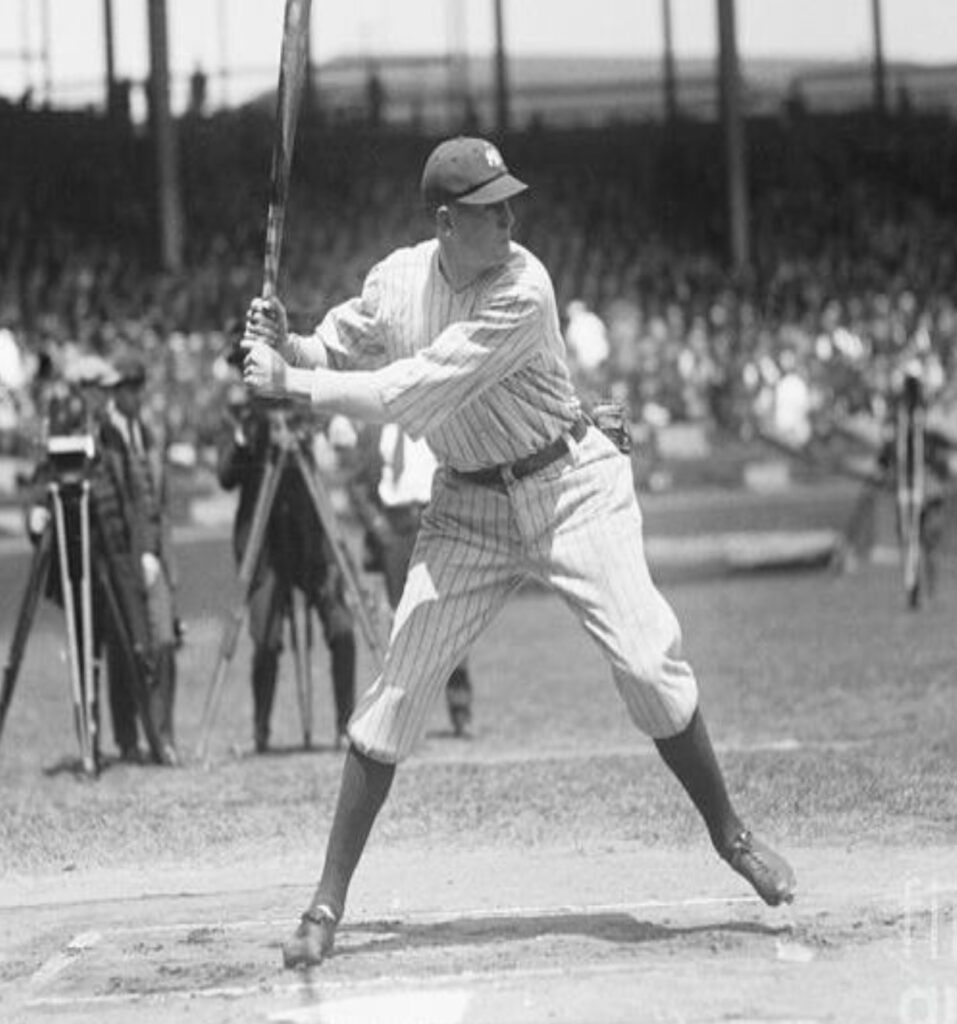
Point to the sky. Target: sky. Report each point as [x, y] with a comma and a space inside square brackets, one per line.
[245, 35]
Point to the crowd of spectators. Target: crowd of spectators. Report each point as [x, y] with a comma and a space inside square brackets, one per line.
[853, 222]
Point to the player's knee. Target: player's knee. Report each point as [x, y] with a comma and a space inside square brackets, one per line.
[661, 694]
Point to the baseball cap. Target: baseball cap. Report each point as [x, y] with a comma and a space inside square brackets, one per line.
[470, 171]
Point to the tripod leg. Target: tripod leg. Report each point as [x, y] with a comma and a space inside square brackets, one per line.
[363, 607]
[301, 659]
[307, 662]
[70, 611]
[36, 581]
[247, 570]
[86, 629]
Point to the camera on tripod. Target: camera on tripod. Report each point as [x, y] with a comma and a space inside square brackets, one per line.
[70, 456]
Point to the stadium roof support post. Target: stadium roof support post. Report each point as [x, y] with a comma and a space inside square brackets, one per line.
[459, 100]
[732, 128]
[501, 72]
[222, 38]
[45, 30]
[163, 131]
[668, 77]
[880, 85]
[108, 48]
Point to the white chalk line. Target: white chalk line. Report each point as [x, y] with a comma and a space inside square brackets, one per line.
[64, 958]
[484, 756]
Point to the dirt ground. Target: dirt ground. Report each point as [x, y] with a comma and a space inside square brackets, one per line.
[585, 936]
[542, 872]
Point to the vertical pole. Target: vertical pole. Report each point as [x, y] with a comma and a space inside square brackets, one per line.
[458, 68]
[222, 32]
[164, 142]
[310, 94]
[668, 65]
[501, 73]
[732, 127]
[26, 50]
[880, 85]
[45, 53]
[110, 58]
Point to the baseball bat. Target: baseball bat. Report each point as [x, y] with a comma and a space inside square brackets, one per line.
[293, 61]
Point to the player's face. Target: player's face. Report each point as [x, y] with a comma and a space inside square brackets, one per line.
[481, 234]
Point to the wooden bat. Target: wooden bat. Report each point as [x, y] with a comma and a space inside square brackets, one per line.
[293, 61]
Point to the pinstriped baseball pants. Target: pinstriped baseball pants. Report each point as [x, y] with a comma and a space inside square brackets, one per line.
[576, 527]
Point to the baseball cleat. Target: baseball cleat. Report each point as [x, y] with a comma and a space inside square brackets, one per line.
[769, 873]
[312, 941]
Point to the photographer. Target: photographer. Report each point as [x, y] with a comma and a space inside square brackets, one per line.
[137, 528]
[295, 555]
[117, 614]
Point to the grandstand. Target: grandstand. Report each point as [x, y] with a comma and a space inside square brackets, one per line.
[852, 221]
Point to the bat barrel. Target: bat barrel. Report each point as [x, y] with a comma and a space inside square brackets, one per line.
[292, 74]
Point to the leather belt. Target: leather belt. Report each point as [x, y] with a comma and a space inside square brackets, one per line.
[498, 476]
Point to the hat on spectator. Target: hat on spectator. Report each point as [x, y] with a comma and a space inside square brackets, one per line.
[467, 170]
[127, 369]
[88, 370]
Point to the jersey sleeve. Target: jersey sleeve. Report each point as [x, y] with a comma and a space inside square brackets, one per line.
[468, 357]
[352, 333]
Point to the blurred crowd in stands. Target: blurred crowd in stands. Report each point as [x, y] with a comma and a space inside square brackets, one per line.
[853, 228]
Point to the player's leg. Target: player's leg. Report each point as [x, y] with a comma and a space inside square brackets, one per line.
[396, 551]
[462, 571]
[604, 576]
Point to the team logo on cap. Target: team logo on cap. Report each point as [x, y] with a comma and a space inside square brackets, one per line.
[494, 158]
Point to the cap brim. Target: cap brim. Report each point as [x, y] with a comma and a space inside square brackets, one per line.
[496, 191]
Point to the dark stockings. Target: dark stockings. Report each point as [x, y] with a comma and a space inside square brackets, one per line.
[692, 759]
[362, 792]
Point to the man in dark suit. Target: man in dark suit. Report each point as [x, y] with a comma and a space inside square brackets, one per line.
[296, 554]
[140, 526]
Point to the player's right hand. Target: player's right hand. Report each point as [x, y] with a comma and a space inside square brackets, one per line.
[266, 321]
[264, 370]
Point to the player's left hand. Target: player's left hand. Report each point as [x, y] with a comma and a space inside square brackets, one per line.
[266, 321]
[264, 369]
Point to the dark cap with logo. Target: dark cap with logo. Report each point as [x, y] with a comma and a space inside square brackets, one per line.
[470, 171]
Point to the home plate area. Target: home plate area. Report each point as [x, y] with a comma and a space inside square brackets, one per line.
[697, 958]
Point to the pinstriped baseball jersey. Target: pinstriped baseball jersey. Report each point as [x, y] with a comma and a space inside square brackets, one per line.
[479, 372]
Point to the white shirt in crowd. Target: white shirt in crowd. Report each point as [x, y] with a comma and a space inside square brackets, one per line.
[407, 468]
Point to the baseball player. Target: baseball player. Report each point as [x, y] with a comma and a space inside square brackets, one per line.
[457, 339]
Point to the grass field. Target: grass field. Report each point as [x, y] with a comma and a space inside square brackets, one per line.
[833, 708]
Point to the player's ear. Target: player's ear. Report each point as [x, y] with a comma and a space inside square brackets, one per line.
[443, 220]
